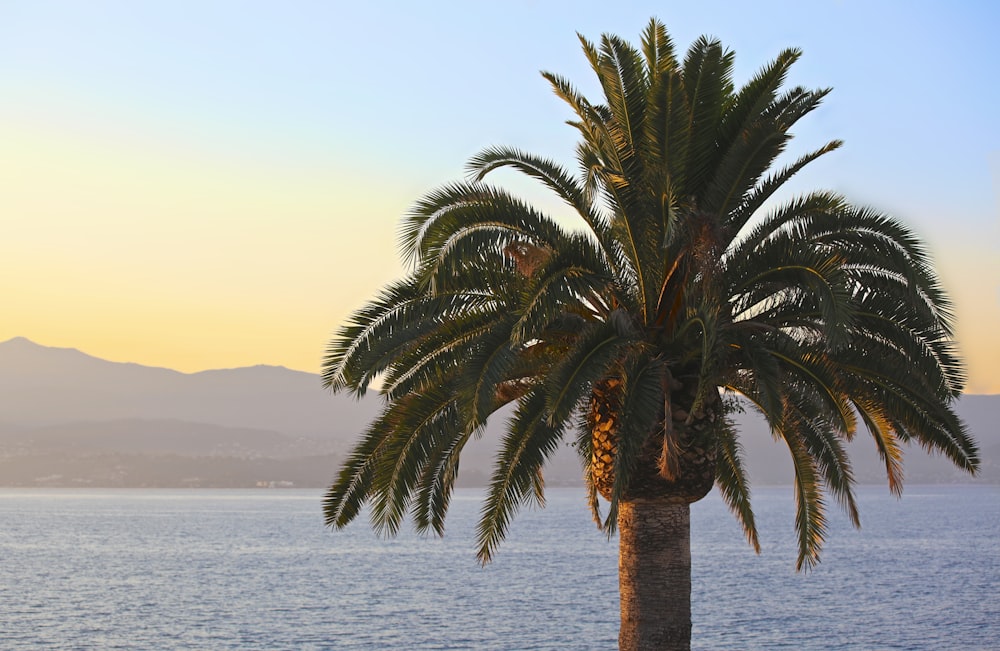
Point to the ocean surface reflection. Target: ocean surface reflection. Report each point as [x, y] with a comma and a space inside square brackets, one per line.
[227, 569]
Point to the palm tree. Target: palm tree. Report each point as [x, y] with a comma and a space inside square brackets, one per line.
[677, 299]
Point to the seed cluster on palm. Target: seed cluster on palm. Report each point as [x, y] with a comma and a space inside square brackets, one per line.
[685, 292]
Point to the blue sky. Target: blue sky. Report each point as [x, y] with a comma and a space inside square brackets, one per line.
[206, 184]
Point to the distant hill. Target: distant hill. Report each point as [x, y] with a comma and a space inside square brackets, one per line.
[70, 419]
[769, 462]
[67, 418]
[47, 386]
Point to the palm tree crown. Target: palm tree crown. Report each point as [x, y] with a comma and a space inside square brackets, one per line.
[685, 293]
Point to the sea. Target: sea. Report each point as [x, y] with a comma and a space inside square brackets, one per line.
[256, 569]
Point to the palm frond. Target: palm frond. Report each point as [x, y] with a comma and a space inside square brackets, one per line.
[356, 336]
[437, 483]
[821, 439]
[658, 49]
[749, 136]
[353, 486]
[708, 84]
[810, 515]
[420, 421]
[642, 379]
[443, 213]
[548, 172]
[530, 440]
[437, 351]
[598, 347]
[576, 277]
[731, 479]
[621, 74]
[592, 124]
[911, 413]
[484, 371]
[885, 441]
[754, 198]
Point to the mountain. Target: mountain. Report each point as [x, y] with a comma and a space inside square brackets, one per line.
[67, 418]
[46, 386]
[70, 419]
[769, 462]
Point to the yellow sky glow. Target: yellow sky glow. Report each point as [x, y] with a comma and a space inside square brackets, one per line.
[224, 192]
[193, 263]
[181, 262]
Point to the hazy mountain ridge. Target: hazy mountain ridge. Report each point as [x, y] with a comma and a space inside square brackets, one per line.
[163, 436]
[47, 386]
[70, 419]
[67, 418]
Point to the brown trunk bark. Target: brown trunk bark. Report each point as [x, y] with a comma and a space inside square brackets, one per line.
[654, 575]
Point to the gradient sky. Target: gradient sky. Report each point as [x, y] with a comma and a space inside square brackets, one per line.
[216, 184]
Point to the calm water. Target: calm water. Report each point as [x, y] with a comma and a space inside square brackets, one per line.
[145, 569]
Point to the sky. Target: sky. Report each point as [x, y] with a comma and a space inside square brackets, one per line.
[217, 184]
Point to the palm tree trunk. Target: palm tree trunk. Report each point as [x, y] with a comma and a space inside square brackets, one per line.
[654, 575]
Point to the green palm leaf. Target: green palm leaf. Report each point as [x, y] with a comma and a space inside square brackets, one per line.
[530, 440]
[676, 300]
